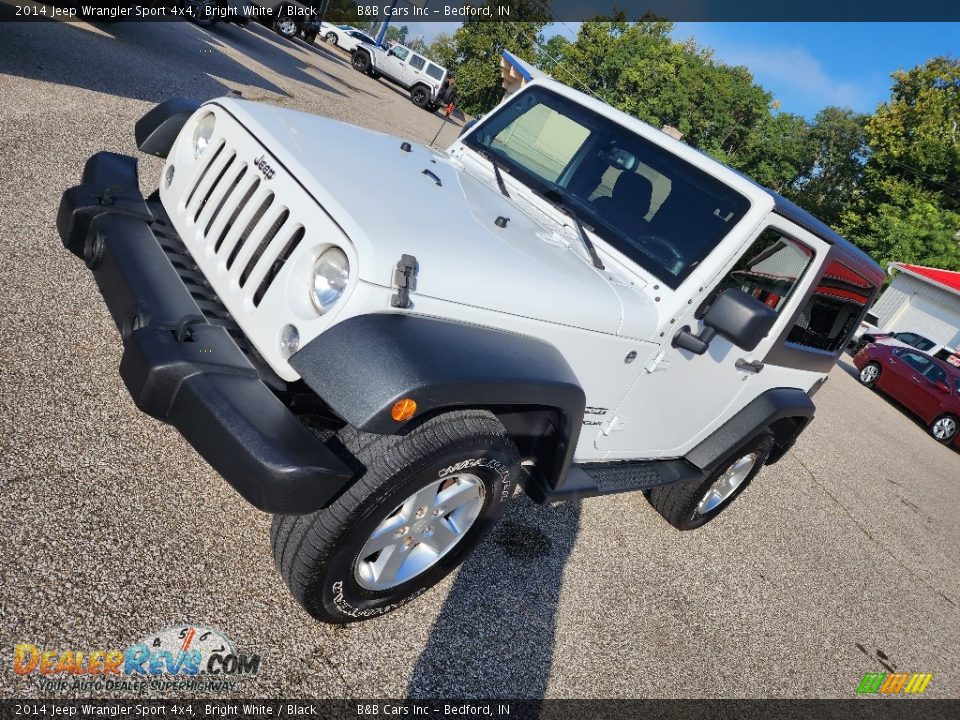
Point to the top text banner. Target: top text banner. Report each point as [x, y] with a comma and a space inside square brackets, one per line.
[676, 10]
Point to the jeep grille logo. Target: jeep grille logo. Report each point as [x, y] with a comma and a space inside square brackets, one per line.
[263, 166]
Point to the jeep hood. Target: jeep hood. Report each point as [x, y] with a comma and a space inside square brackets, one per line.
[391, 201]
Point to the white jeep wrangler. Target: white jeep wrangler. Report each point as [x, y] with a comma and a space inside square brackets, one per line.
[404, 67]
[593, 308]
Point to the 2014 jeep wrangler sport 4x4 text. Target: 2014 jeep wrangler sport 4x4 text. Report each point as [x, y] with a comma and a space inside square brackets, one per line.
[593, 307]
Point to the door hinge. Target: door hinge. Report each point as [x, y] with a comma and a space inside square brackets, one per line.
[614, 424]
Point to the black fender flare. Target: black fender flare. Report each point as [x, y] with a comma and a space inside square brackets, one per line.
[363, 365]
[156, 131]
[784, 411]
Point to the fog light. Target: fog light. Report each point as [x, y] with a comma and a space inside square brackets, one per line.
[289, 340]
[403, 409]
[168, 175]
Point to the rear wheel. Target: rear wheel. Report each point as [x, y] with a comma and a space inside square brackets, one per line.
[944, 428]
[869, 374]
[310, 37]
[425, 501]
[420, 96]
[285, 22]
[361, 62]
[690, 505]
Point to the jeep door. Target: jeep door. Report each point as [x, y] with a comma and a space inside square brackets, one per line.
[680, 398]
[396, 66]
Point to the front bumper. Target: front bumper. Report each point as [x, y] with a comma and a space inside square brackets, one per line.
[179, 367]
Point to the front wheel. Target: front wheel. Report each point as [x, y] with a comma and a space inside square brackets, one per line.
[285, 23]
[331, 37]
[426, 499]
[869, 374]
[944, 428]
[690, 505]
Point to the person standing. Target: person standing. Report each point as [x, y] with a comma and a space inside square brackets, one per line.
[448, 94]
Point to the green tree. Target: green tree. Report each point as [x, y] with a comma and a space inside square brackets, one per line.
[908, 209]
[831, 182]
[418, 45]
[550, 52]
[473, 52]
[397, 33]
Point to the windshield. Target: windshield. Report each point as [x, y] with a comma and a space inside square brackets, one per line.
[662, 212]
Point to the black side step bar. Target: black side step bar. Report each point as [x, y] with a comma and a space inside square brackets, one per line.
[607, 478]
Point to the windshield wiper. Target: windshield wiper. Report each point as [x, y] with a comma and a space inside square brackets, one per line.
[557, 197]
[496, 171]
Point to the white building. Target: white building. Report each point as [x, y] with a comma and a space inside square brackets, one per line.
[922, 300]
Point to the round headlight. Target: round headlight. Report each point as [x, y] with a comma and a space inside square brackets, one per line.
[203, 133]
[330, 275]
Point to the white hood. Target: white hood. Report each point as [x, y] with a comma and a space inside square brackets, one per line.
[388, 206]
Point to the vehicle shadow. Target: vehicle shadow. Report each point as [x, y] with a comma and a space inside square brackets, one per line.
[496, 632]
[849, 369]
[139, 60]
[156, 60]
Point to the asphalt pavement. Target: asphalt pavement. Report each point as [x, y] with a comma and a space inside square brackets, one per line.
[841, 559]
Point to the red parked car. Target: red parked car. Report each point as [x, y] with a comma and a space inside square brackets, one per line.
[928, 387]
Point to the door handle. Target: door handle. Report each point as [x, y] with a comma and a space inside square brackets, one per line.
[753, 366]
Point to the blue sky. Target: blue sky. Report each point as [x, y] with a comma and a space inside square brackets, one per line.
[807, 65]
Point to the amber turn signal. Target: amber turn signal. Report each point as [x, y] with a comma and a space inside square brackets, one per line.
[403, 409]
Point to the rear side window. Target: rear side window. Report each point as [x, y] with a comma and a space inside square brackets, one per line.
[769, 270]
[937, 374]
[829, 317]
[418, 62]
[435, 72]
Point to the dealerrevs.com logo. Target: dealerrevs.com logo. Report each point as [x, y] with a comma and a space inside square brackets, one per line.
[182, 658]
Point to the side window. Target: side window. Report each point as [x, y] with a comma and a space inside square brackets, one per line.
[400, 51]
[417, 62]
[917, 362]
[828, 318]
[769, 270]
[937, 374]
[435, 72]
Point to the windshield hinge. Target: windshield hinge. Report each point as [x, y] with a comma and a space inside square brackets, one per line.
[657, 362]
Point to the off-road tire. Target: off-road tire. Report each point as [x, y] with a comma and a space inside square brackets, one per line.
[420, 96]
[361, 62]
[310, 38]
[678, 503]
[952, 436]
[870, 383]
[318, 554]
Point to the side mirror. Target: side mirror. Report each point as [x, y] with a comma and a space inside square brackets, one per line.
[942, 387]
[739, 317]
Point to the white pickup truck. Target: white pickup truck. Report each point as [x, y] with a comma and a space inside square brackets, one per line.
[402, 66]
